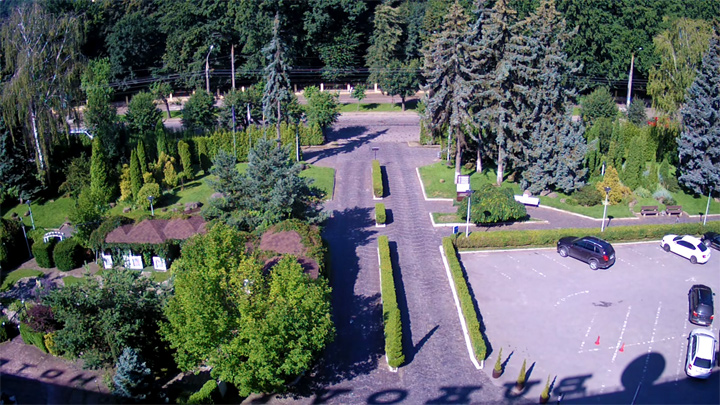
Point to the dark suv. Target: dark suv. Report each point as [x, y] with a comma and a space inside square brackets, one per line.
[594, 251]
[701, 305]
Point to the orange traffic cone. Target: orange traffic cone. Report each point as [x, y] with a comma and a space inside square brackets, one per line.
[597, 342]
[622, 348]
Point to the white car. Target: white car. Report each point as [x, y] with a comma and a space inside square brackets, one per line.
[700, 353]
[686, 246]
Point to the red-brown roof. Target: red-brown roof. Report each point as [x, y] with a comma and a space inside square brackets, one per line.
[157, 231]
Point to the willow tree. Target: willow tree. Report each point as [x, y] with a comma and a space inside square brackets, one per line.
[277, 83]
[41, 54]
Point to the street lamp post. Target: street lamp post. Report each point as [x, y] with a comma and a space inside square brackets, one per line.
[607, 194]
[152, 210]
[375, 149]
[467, 222]
[31, 217]
[632, 63]
[707, 207]
[207, 69]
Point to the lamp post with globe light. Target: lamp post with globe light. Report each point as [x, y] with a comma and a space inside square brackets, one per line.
[152, 210]
[607, 194]
[207, 69]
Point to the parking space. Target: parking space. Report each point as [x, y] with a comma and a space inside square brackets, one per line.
[612, 335]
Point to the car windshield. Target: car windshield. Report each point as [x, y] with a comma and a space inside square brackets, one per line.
[702, 363]
[702, 247]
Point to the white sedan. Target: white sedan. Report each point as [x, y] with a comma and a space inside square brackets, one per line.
[686, 246]
[700, 353]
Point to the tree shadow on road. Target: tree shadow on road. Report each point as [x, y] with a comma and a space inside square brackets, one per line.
[343, 140]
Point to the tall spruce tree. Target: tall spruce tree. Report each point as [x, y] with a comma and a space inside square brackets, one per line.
[100, 174]
[277, 84]
[132, 379]
[452, 79]
[136, 175]
[699, 144]
[496, 109]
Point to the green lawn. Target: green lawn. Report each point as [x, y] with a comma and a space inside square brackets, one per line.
[378, 107]
[596, 211]
[324, 179]
[46, 214]
[439, 180]
[15, 275]
[160, 276]
[71, 280]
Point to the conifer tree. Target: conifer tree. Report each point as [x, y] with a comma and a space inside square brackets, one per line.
[136, 175]
[142, 157]
[451, 78]
[277, 82]
[171, 177]
[699, 144]
[184, 152]
[132, 379]
[99, 173]
[384, 45]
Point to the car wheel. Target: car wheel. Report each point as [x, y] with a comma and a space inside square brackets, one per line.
[693, 259]
[593, 264]
[666, 247]
[563, 251]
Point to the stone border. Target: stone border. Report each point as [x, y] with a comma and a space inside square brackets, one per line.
[468, 343]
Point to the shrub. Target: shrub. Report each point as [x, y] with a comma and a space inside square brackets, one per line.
[380, 214]
[391, 311]
[598, 104]
[636, 112]
[587, 196]
[43, 253]
[663, 196]
[466, 302]
[12, 250]
[6, 329]
[617, 190]
[31, 337]
[41, 319]
[491, 204]
[132, 378]
[49, 340]
[205, 394]
[642, 192]
[549, 237]
[377, 179]
[67, 255]
[149, 189]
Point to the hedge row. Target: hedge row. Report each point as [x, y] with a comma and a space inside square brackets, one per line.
[550, 237]
[43, 253]
[205, 394]
[67, 255]
[391, 311]
[466, 301]
[377, 179]
[380, 214]
[31, 337]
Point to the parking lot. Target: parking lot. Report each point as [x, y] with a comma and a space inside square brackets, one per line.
[616, 335]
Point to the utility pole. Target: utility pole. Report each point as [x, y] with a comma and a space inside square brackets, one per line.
[232, 65]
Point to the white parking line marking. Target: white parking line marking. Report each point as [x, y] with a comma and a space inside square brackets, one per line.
[622, 333]
[680, 355]
[692, 279]
[506, 276]
[533, 269]
[582, 344]
[652, 340]
[561, 300]
[623, 261]
[554, 259]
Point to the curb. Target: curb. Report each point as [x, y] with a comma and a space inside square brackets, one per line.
[417, 170]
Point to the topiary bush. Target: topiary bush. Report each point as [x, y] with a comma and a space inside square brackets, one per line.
[377, 179]
[587, 196]
[491, 204]
[67, 255]
[380, 214]
[43, 253]
[391, 312]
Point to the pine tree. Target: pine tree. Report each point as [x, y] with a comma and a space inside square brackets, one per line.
[699, 144]
[277, 83]
[142, 157]
[136, 179]
[184, 151]
[132, 378]
[99, 174]
[451, 78]
[636, 112]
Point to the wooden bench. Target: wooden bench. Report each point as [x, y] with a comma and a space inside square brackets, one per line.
[673, 210]
[649, 210]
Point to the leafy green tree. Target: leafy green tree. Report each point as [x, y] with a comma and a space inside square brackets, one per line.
[87, 213]
[451, 78]
[132, 379]
[198, 114]
[358, 93]
[41, 61]
[99, 319]
[271, 189]
[699, 144]
[340, 55]
[143, 115]
[18, 177]
[323, 108]
[636, 112]
[134, 43]
[491, 204]
[100, 115]
[185, 159]
[12, 250]
[77, 176]
[680, 49]
[404, 80]
[256, 330]
[162, 90]
[243, 101]
[277, 82]
[147, 190]
[100, 174]
[598, 104]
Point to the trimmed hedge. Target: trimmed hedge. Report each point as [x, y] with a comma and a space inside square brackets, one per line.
[43, 253]
[380, 214]
[377, 179]
[205, 394]
[391, 311]
[550, 237]
[466, 303]
[31, 337]
[67, 254]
